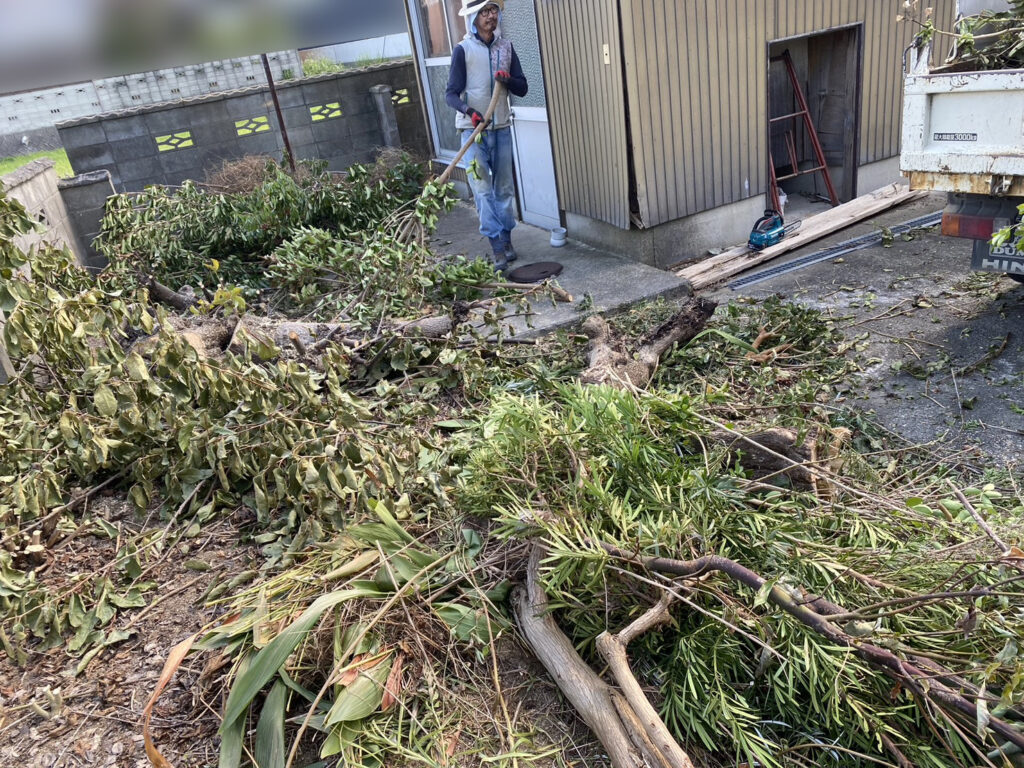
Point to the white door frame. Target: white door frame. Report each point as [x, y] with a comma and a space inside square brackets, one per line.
[537, 216]
[443, 154]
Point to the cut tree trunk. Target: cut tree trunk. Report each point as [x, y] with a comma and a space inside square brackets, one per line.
[172, 298]
[609, 361]
[632, 739]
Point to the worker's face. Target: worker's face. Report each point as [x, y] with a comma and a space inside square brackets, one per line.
[487, 19]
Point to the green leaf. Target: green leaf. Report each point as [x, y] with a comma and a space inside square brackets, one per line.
[231, 738]
[104, 610]
[340, 736]
[455, 424]
[384, 514]
[7, 301]
[136, 367]
[761, 598]
[467, 624]
[117, 636]
[722, 335]
[271, 658]
[362, 697]
[270, 747]
[133, 599]
[139, 497]
[983, 717]
[107, 529]
[333, 482]
[88, 657]
[262, 504]
[105, 401]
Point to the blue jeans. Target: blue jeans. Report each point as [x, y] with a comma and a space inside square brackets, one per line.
[494, 190]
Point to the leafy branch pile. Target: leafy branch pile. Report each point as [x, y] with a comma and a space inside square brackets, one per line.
[987, 40]
[403, 516]
[299, 242]
[607, 480]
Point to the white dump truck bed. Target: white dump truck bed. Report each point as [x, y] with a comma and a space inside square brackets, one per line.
[964, 131]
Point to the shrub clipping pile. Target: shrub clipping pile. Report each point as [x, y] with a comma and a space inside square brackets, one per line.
[985, 40]
[725, 566]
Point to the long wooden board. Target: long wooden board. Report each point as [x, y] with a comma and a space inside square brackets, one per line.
[742, 258]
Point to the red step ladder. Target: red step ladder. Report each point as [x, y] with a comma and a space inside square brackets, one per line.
[803, 112]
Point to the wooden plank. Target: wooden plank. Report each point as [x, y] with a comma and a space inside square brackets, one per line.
[741, 258]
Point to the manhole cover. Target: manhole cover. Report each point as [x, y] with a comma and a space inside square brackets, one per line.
[535, 273]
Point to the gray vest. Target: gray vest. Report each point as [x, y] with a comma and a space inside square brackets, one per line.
[481, 64]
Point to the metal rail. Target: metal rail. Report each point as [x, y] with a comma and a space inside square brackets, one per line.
[839, 249]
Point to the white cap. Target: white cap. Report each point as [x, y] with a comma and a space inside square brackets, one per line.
[469, 7]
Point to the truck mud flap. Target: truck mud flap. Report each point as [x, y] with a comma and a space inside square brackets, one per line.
[1003, 258]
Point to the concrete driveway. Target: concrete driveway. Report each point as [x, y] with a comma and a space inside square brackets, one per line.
[940, 349]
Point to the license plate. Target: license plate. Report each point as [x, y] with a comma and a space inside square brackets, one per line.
[997, 258]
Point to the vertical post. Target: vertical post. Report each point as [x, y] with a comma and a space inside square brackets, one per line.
[417, 57]
[277, 110]
[386, 115]
[6, 369]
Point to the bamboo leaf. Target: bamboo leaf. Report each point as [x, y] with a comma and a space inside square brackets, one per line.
[380, 508]
[270, 747]
[174, 659]
[362, 697]
[232, 737]
[270, 659]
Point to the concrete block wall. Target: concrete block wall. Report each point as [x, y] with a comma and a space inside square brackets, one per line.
[32, 115]
[85, 198]
[132, 91]
[331, 117]
[28, 142]
[34, 185]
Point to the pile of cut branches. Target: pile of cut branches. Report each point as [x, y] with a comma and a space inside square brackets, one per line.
[982, 41]
[715, 560]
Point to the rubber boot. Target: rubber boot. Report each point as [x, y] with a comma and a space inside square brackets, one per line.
[498, 255]
[510, 253]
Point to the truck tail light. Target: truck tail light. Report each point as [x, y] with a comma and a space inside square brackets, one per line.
[963, 225]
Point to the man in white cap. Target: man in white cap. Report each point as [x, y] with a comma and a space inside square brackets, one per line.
[483, 58]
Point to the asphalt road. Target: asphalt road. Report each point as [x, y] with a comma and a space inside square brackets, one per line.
[939, 349]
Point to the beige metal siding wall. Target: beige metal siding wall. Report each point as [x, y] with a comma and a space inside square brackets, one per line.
[696, 75]
[586, 106]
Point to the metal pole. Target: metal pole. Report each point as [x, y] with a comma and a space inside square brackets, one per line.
[277, 109]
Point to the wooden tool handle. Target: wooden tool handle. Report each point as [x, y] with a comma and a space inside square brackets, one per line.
[499, 92]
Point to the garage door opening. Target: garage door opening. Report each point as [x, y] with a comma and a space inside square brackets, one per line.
[827, 69]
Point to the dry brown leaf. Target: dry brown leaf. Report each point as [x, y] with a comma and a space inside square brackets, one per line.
[393, 685]
[358, 665]
[453, 744]
[174, 659]
[1014, 553]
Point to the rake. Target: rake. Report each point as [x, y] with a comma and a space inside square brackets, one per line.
[405, 220]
